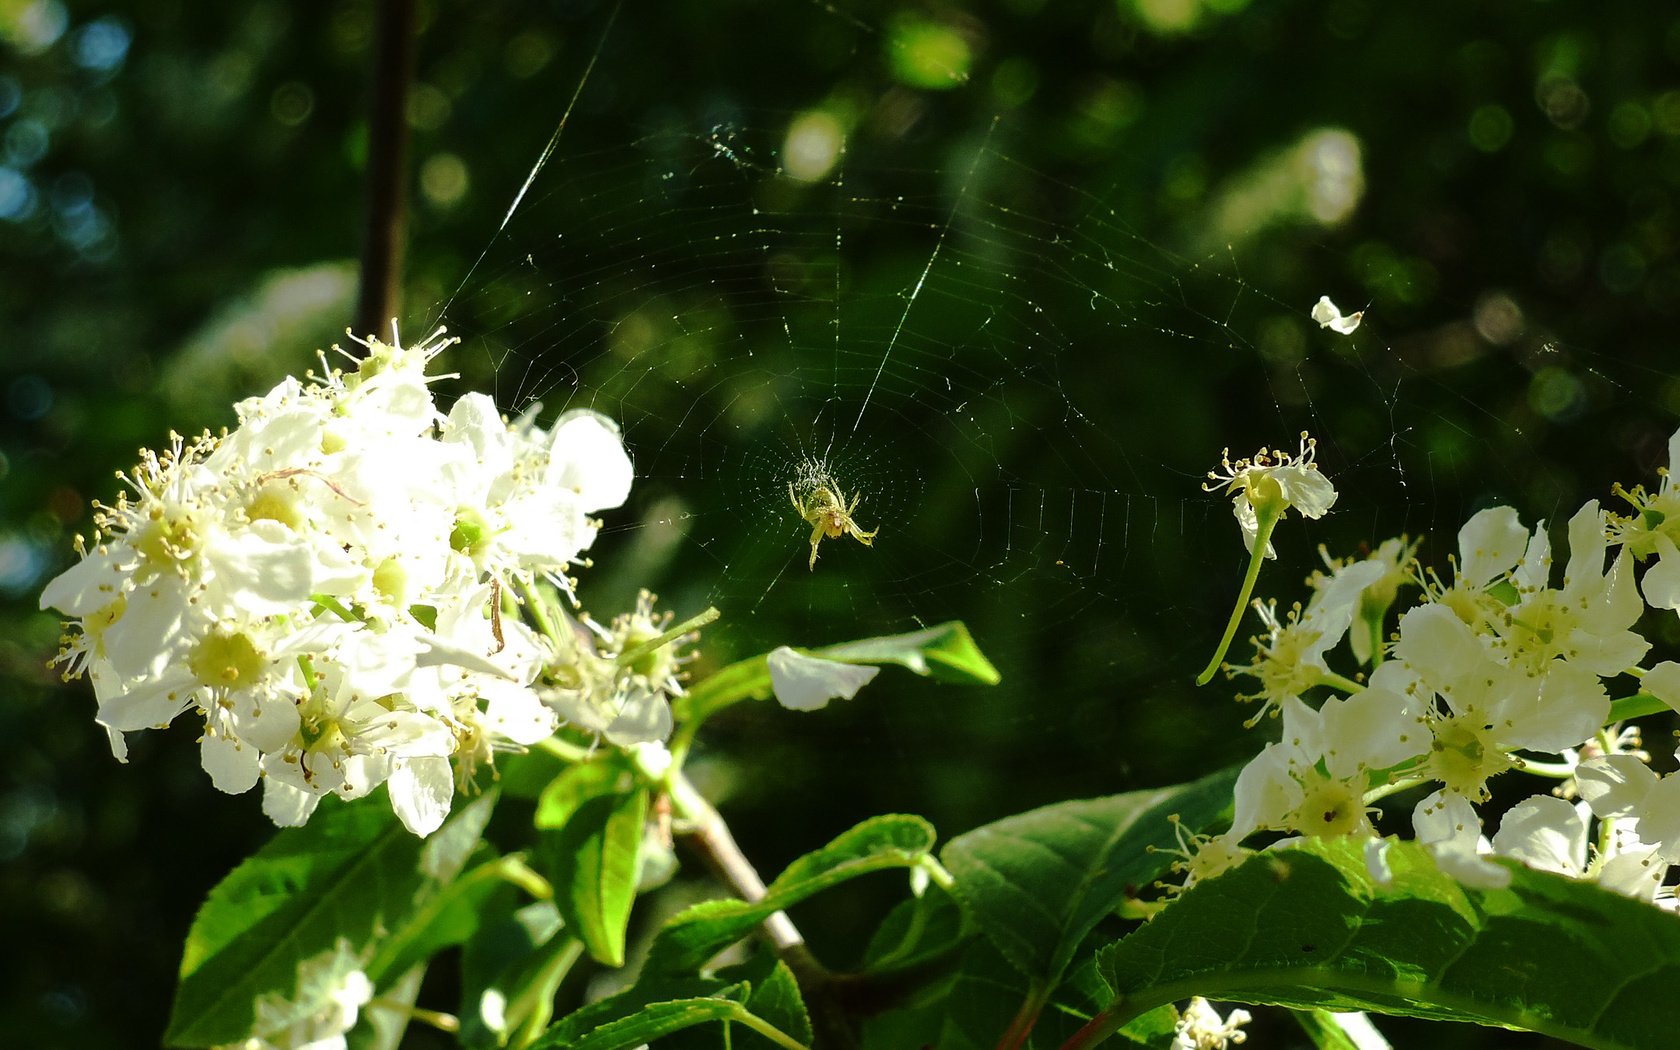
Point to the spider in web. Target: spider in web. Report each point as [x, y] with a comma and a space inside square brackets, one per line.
[826, 510]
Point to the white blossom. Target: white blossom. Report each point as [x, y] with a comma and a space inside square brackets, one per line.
[331, 991]
[1271, 483]
[1200, 1027]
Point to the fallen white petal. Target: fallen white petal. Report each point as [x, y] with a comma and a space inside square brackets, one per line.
[1328, 315]
[807, 683]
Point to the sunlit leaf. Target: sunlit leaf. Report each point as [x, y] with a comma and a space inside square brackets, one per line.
[593, 863]
[1038, 882]
[1310, 928]
[700, 932]
[352, 872]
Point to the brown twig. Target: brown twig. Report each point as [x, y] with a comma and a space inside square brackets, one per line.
[709, 837]
[379, 297]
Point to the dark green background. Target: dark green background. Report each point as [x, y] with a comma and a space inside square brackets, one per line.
[197, 204]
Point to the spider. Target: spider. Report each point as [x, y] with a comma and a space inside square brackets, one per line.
[829, 515]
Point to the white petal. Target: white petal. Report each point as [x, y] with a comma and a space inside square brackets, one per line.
[263, 570]
[231, 763]
[421, 792]
[1439, 646]
[1659, 817]
[137, 643]
[1544, 832]
[587, 456]
[1663, 682]
[515, 713]
[402, 733]
[1489, 544]
[644, 717]
[1376, 862]
[1332, 606]
[1569, 708]
[148, 705]
[1662, 580]
[1534, 570]
[1615, 785]
[1586, 547]
[87, 586]
[1249, 522]
[1328, 315]
[286, 805]
[475, 422]
[1307, 490]
[1451, 829]
[1370, 729]
[807, 683]
[1265, 793]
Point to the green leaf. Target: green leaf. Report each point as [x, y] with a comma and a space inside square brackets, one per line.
[448, 918]
[661, 1019]
[919, 935]
[593, 863]
[1310, 928]
[574, 785]
[774, 994]
[353, 872]
[520, 955]
[946, 653]
[646, 992]
[1039, 882]
[987, 998]
[690, 939]
[777, 1000]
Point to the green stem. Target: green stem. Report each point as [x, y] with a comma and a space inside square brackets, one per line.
[1393, 788]
[1021, 1026]
[1555, 770]
[770, 1031]
[630, 656]
[1098, 1028]
[1346, 685]
[538, 610]
[512, 868]
[1636, 706]
[936, 873]
[564, 750]
[1263, 533]
[336, 607]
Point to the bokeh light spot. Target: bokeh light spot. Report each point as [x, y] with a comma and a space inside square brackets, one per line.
[927, 54]
[443, 179]
[814, 142]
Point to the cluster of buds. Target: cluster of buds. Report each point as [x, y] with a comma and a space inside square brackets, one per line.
[333, 588]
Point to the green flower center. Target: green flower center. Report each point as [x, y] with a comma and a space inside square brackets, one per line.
[226, 660]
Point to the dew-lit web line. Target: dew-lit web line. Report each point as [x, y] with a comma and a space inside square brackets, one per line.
[944, 232]
[542, 160]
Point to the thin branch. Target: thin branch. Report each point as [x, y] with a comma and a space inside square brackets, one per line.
[383, 238]
[708, 836]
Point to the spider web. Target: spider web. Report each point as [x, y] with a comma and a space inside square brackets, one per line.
[1021, 391]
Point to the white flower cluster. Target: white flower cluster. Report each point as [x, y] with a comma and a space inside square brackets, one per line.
[327, 585]
[332, 992]
[1496, 668]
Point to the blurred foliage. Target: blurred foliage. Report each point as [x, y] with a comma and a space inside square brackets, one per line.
[180, 193]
